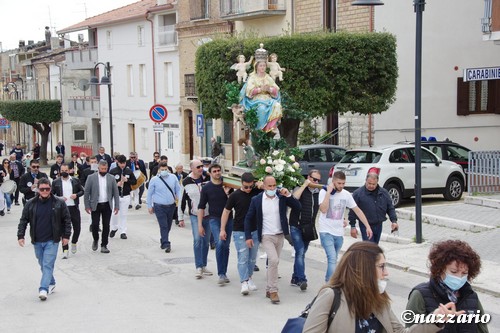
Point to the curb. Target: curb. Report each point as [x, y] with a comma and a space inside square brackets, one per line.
[485, 202]
[444, 221]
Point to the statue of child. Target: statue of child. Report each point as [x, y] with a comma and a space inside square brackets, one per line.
[275, 69]
[241, 68]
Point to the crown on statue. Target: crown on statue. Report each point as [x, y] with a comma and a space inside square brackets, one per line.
[261, 54]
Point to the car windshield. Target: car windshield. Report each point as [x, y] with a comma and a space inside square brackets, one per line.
[361, 157]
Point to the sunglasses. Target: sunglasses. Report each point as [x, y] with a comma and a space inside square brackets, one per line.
[44, 189]
[246, 187]
[315, 179]
[35, 166]
[199, 166]
[216, 171]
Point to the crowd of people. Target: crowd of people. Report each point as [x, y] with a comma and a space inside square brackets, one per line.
[258, 213]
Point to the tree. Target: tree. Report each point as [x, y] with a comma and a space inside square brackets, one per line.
[326, 73]
[38, 114]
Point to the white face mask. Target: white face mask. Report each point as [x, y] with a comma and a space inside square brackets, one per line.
[381, 285]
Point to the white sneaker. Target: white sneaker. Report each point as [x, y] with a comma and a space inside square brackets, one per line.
[51, 288]
[206, 271]
[42, 295]
[199, 273]
[251, 285]
[65, 254]
[73, 248]
[264, 256]
[244, 288]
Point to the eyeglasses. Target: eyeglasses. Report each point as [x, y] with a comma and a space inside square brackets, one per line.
[315, 179]
[35, 166]
[216, 171]
[199, 166]
[6, 163]
[246, 187]
[381, 266]
[44, 189]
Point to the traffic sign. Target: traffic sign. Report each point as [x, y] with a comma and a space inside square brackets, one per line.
[4, 122]
[158, 113]
[200, 128]
[158, 128]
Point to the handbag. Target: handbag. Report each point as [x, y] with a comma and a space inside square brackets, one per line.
[296, 325]
[309, 232]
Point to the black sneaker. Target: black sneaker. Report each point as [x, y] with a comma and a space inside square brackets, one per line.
[94, 245]
[123, 236]
[104, 249]
[256, 268]
[16, 203]
[137, 207]
[212, 246]
[168, 249]
[2, 213]
[129, 206]
[303, 285]
[112, 233]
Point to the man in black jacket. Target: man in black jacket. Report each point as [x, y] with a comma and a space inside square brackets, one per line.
[56, 168]
[69, 189]
[49, 221]
[29, 181]
[124, 178]
[309, 200]
[136, 164]
[103, 156]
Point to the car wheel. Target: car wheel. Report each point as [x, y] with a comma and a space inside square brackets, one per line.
[454, 189]
[395, 193]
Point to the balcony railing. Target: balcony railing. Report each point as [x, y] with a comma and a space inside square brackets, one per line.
[239, 10]
[82, 59]
[167, 36]
[84, 106]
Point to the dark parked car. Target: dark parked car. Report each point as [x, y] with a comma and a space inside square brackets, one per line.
[321, 157]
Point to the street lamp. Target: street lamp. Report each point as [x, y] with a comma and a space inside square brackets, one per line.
[106, 80]
[419, 7]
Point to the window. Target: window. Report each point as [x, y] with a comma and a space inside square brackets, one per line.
[140, 35]
[130, 81]
[198, 9]
[109, 40]
[227, 137]
[170, 140]
[478, 97]
[189, 85]
[142, 80]
[425, 157]
[169, 79]
[457, 154]
[79, 135]
[399, 156]
[167, 35]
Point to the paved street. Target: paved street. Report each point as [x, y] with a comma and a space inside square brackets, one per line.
[139, 288]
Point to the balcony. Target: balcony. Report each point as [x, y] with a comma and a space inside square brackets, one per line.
[241, 10]
[81, 59]
[167, 36]
[84, 106]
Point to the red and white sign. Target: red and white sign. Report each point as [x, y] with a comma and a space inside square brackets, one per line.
[158, 113]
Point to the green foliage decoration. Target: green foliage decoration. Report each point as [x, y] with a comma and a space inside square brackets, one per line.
[32, 112]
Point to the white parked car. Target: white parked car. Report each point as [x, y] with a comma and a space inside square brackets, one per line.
[396, 164]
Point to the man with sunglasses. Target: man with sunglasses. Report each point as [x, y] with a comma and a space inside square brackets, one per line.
[49, 221]
[136, 164]
[309, 199]
[214, 194]
[29, 181]
[239, 200]
[190, 198]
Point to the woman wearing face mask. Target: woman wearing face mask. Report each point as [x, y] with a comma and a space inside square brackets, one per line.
[453, 263]
[364, 304]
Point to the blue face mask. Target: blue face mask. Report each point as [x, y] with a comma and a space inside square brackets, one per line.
[164, 173]
[271, 193]
[453, 282]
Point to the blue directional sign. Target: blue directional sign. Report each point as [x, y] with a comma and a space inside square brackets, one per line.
[200, 125]
[158, 113]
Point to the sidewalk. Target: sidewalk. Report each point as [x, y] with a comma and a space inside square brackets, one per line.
[478, 225]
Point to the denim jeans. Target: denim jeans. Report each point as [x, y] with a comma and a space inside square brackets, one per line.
[200, 244]
[46, 253]
[221, 246]
[377, 232]
[299, 267]
[164, 214]
[8, 200]
[332, 245]
[246, 257]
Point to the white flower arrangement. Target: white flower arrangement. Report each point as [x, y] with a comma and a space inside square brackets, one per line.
[283, 168]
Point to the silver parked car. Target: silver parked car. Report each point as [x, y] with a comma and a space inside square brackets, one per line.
[321, 157]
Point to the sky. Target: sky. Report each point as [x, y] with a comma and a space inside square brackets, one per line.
[27, 19]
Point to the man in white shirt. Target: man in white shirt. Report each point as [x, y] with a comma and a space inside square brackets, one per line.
[69, 189]
[269, 211]
[333, 202]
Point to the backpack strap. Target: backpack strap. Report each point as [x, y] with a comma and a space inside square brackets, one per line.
[335, 306]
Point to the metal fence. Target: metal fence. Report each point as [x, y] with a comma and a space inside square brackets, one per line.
[484, 172]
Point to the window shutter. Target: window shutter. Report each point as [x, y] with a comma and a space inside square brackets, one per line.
[494, 96]
[462, 97]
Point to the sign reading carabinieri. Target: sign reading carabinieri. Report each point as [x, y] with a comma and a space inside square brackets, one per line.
[481, 74]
